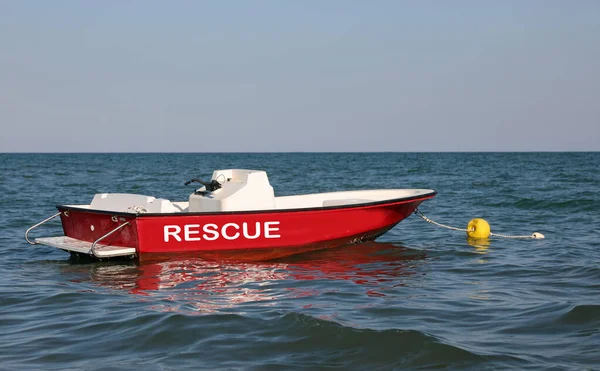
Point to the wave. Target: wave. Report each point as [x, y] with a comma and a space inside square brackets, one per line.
[276, 340]
[318, 341]
[580, 320]
[587, 315]
[580, 204]
[574, 204]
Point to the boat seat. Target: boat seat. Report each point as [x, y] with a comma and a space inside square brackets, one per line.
[132, 203]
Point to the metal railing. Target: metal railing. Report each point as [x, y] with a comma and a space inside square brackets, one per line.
[37, 225]
[93, 248]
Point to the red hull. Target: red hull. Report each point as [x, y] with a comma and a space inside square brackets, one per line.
[254, 234]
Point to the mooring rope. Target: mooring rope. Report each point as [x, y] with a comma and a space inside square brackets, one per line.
[419, 213]
[533, 235]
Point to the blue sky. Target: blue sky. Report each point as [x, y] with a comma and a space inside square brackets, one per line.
[237, 76]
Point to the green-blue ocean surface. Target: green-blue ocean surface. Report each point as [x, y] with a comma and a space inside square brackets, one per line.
[420, 297]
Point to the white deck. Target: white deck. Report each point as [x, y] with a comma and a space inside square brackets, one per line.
[74, 245]
[315, 200]
[345, 198]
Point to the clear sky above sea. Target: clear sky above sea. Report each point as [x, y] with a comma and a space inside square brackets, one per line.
[237, 76]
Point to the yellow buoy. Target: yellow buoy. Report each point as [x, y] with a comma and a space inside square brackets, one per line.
[478, 228]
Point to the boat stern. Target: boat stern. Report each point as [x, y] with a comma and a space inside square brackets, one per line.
[97, 234]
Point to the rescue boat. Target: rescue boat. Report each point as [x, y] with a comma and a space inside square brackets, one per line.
[236, 214]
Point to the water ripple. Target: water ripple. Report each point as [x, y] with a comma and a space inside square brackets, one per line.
[420, 298]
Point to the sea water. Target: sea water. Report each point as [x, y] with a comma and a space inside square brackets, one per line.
[420, 297]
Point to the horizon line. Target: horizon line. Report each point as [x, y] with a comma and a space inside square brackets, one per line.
[291, 152]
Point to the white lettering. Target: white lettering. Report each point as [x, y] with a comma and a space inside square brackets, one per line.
[172, 230]
[229, 231]
[188, 232]
[269, 229]
[224, 231]
[256, 232]
[212, 229]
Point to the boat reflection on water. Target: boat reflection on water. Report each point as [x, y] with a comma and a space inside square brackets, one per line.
[212, 284]
[365, 263]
